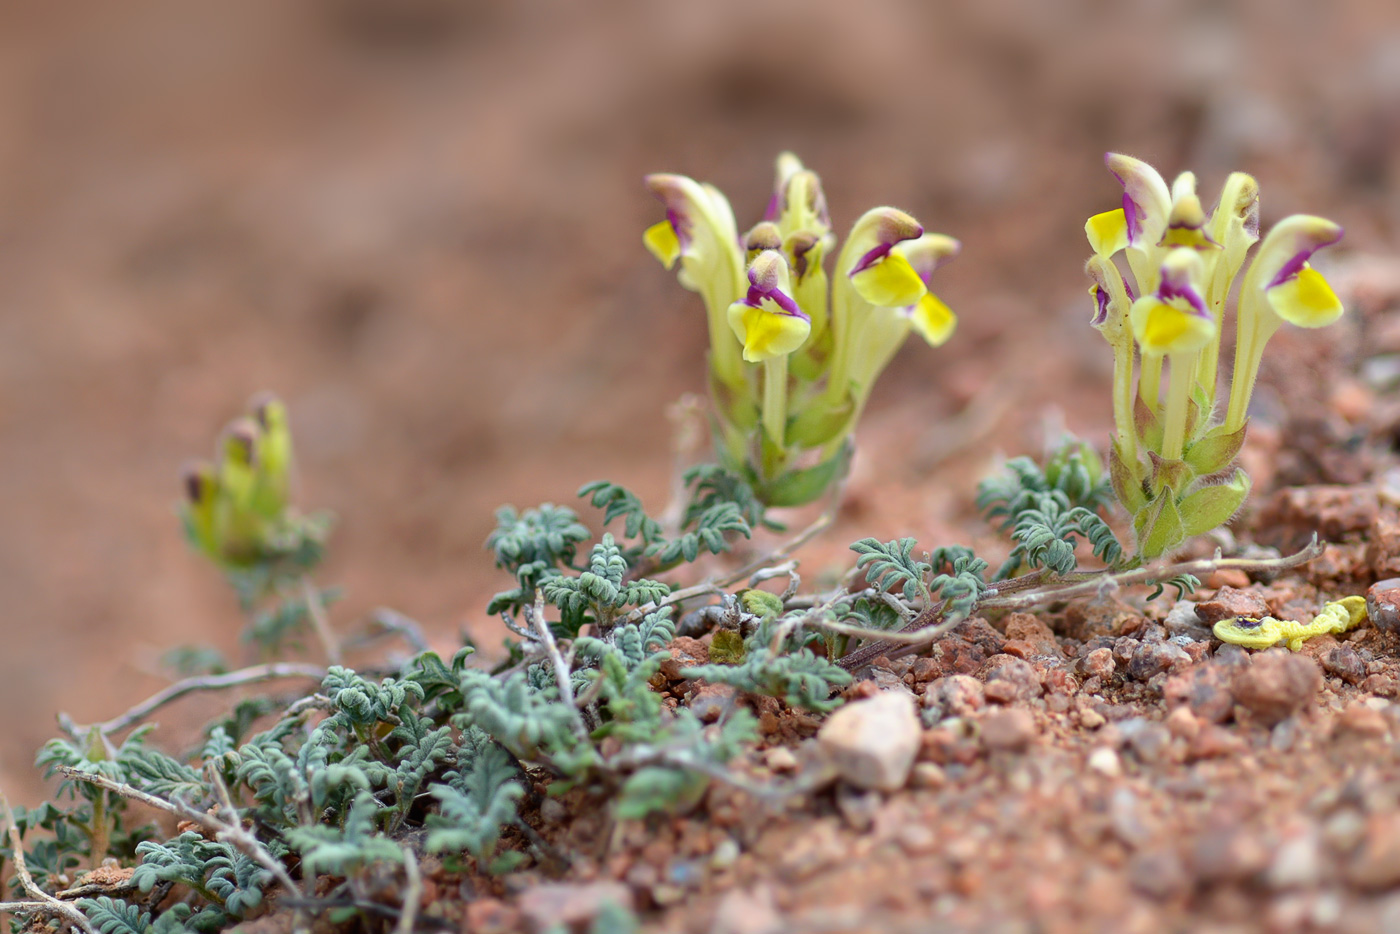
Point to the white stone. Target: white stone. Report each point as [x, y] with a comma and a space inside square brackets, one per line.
[873, 742]
[1105, 761]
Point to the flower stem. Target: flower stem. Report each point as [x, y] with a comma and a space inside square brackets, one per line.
[775, 400]
[1255, 328]
[1178, 404]
[1150, 381]
[1123, 399]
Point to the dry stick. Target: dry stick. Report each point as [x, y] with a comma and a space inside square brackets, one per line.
[561, 667]
[413, 893]
[43, 900]
[717, 585]
[207, 683]
[317, 612]
[231, 832]
[929, 624]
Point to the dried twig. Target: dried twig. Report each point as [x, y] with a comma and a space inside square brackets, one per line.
[43, 901]
[929, 624]
[561, 667]
[230, 830]
[412, 894]
[204, 683]
[1106, 582]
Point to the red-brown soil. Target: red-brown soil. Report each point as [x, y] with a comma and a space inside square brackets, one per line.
[422, 227]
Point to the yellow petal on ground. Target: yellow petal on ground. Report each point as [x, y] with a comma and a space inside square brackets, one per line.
[1161, 328]
[767, 334]
[660, 238]
[1305, 300]
[1107, 232]
[934, 320]
[890, 283]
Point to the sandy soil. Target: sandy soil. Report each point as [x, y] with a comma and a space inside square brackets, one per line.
[422, 228]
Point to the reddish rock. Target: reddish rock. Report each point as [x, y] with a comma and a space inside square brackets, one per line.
[1010, 679]
[1008, 730]
[490, 916]
[1382, 685]
[1227, 577]
[1214, 742]
[1204, 689]
[1343, 661]
[1361, 722]
[1293, 514]
[1098, 664]
[1383, 545]
[926, 669]
[710, 701]
[1227, 855]
[1098, 617]
[1276, 685]
[1158, 874]
[1383, 604]
[980, 633]
[1377, 865]
[1032, 631]
[1057, 681]
[1230, 602]
[1183, 724]
[1344, 561]
[1154, 658]
[954, 656]
[955, 695]
[685, 653]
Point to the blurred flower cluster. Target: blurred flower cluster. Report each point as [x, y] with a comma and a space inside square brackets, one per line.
[236, 509]
[1172, 458]
[793, 353]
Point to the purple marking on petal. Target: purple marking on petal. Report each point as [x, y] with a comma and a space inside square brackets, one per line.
[775, 207]
[1131, 215]
[1300, 259]
[1170, 290]
[777, 296]
[872, 257]
[681, 225]
[1101, 315]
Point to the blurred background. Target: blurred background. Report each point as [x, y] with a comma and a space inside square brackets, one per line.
[420, 220]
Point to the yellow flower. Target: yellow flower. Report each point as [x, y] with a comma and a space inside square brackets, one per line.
[768, 320]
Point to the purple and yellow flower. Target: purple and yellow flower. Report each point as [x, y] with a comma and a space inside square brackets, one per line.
[799, 351]
[767, 320]
[1183, 262]
[1174, 318]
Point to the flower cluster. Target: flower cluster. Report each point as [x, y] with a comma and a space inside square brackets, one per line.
[1172, 458]
[236, 508]
[794, 355]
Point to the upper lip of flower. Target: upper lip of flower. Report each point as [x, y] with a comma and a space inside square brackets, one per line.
[766, 275]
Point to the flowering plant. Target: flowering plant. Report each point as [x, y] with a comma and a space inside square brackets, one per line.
[1172, 460]
[794, 355]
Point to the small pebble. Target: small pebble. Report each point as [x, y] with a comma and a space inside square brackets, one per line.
[1277, 684]
[1008, 730]
[873, 742]
[1105, 761]
[1383, 604]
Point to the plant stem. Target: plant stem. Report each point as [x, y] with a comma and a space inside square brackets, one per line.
[316, 612]
[775, 400]
[1123, 399]
[1255, 327]
[1150, 381]
[1178, 404]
